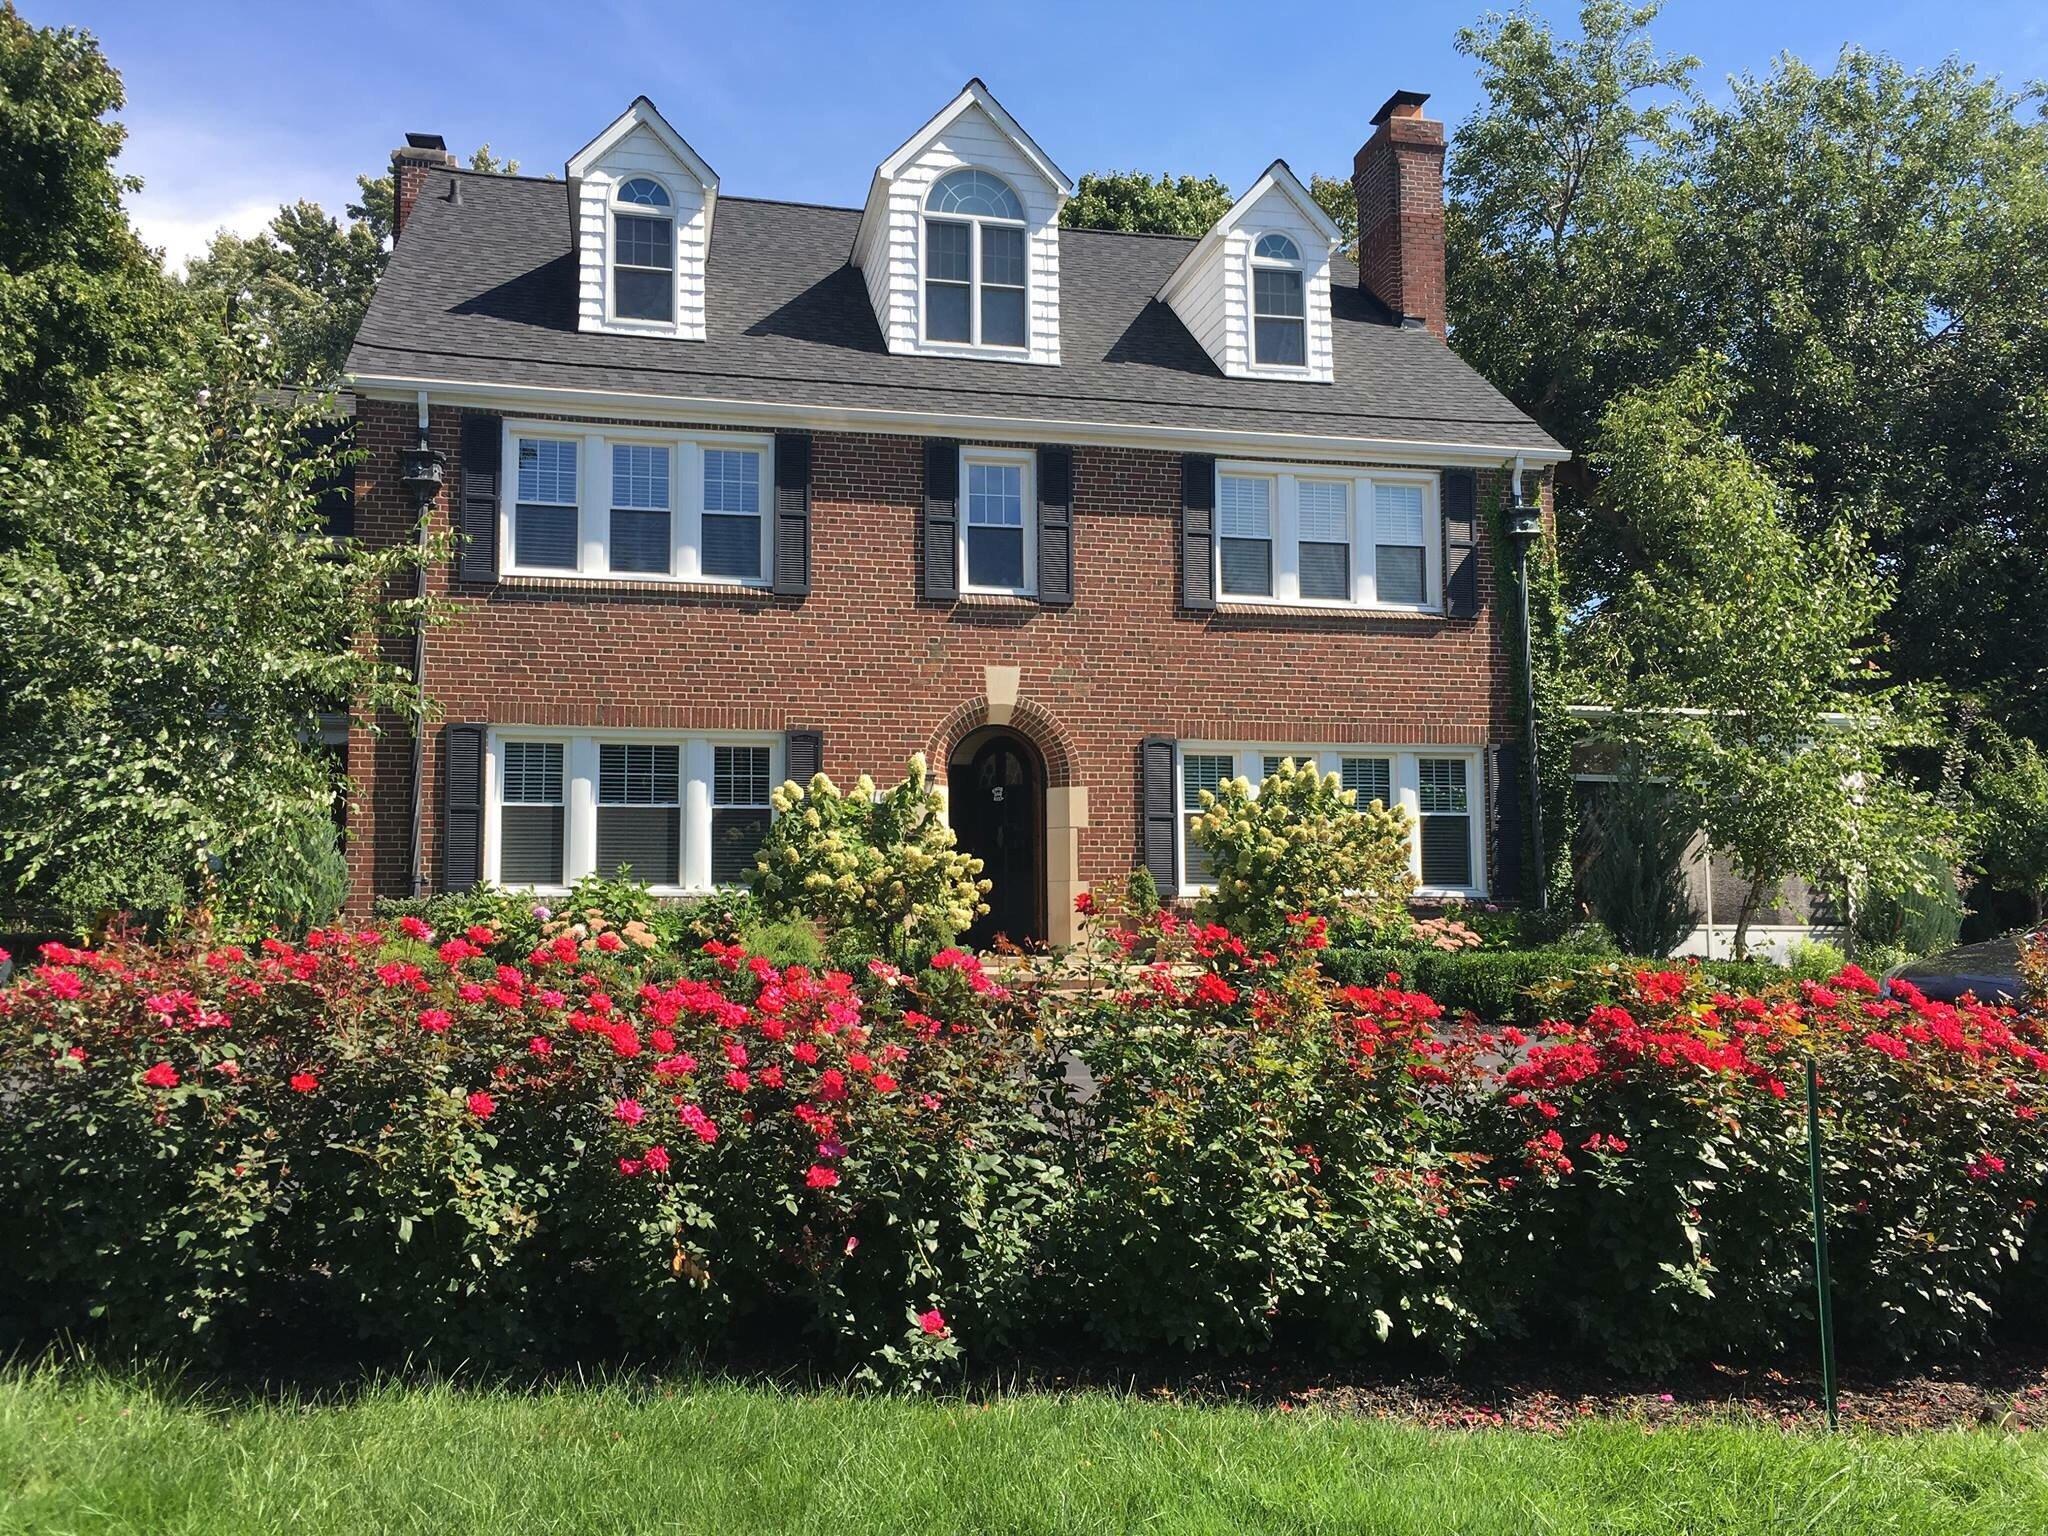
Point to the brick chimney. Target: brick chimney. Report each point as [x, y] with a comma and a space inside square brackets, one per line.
[423, 154]
[1398, 179]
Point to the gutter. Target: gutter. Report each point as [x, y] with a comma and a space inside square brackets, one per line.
[1026, 429]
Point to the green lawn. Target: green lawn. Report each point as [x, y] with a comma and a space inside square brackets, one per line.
[81, 1451]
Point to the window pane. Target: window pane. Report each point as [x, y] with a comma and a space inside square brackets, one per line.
[533, 771]
[1199, 772]
[1002, 257]
[1002, 317]
[1282, 343]
[732, 480]
[640, 541]
[641, 295]
[1277, 248]
[1400, 573]
[643, 843]
[735, 843]
[946, 251]
[946, 312]
[1443, 785]
[739, 776]
[1369, 779]
[1397, 513]
[547, 470]
[545, 537]
[1244, 507]
[648, 194]
[631, 773]
[1276, 292]
[1248, 567]
[640, 476]
[975, 192]
[1326, 572]
[732, 547]
[1325, 510]
[995, 557]
[995, 495]
[530, 845]
[644, 242]
[1447, 850]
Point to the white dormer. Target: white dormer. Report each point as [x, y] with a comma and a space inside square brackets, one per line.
[642, 201]
[960, 239]
[1255, 290]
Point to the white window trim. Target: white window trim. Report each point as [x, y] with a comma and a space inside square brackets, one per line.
[1026, 460]
[579, 793]
[630, 324]
[1253, 261]
[975, 347]
[1248, 762]
[594, 502]
[1286, 526]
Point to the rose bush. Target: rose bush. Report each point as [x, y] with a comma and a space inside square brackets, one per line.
[446, 1151]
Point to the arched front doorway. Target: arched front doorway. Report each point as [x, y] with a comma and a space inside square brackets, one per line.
[995, 791]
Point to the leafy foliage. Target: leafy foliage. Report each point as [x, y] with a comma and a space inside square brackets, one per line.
[2009, 828]
[1300, 845]
[1634, 876]
[879, 873]
[1137, 203]
[176, 621]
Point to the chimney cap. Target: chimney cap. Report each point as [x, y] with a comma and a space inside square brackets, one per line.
[435, 141]
[1401, 104]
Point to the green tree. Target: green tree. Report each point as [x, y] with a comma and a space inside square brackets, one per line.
[306, 281]
[1737, 660]
[1335, 196]
[175, 621]
[1136, 203]
[2009, 821]
[79, 293]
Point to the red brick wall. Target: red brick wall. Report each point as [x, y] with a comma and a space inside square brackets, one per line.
[1398, 179]
[883, 672]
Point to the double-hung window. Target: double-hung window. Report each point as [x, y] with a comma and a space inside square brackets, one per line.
[639, 812]
[544, 527]
[1445, 812]
[1326, 537]
[997, 526]
[1244, 525]
[732, 514]
[532, 811]
[740, 812]
[1439, 789]
[974, 256]
[1279, 305]
[644, 252]
[641, 526]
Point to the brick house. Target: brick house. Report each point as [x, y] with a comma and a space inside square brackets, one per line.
[748, 488]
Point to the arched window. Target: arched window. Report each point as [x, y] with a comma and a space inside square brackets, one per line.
[644, 252]
[974, 262]
[1279, 311]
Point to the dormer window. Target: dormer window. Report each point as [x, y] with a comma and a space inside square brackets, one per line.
[1279, 310]
[974, 262]
[644, 243]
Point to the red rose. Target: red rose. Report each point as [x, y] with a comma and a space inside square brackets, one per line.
[162, 1075]
[821, 1177]
[304, 1082]
[481, 1105]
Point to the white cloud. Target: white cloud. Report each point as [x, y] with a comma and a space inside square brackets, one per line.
[184, 231]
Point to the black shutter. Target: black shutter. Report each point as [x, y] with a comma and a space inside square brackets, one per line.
[335, 492]
[803, 756]
[462, 807]
[1162, 813]
[1056, 527]
[1197, 526]
[482, 449]
[793, 514]
[1461, 543]
[1506, 810]
[941, 518]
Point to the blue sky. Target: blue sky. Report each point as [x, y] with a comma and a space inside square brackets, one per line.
[234, 107]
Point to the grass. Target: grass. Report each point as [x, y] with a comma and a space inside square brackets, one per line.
[87, 1451]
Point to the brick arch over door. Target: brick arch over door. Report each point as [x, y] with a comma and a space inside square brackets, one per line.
[1053, 740]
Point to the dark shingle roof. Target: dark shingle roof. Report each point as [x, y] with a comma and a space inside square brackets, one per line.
[483, 291]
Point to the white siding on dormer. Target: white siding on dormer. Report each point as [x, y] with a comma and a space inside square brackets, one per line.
[640, 153]
[890, 256]
[1212, 290]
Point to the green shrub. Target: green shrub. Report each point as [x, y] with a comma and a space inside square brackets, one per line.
[1813, 959]
[1300, 844]
[1911, 923]
[784, 942]
[1635, 880]
[879, 874]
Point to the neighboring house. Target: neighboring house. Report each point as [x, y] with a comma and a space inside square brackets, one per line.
[754, 488]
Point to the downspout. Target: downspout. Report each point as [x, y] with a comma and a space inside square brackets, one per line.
[422, 473]
[1525, 526]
